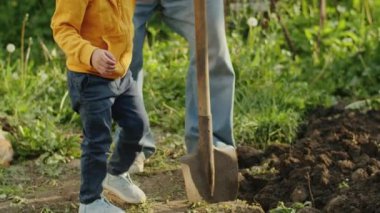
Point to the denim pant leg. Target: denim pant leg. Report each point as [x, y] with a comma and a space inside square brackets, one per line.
[93, 101]
[129, 113]
[144, 9]
[179, 15]
[98, 100]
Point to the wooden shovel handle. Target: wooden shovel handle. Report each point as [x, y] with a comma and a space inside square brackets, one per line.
[205, 119]
[202, 58]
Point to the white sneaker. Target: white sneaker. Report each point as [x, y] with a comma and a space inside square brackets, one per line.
[99, 206]
[138, 164]
[123, 187]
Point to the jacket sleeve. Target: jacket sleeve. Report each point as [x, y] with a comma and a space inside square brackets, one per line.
[66, 24]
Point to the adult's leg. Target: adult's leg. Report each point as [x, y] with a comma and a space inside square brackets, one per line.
[179, 15]
[144, 10]
[222, 76]
[129, 113]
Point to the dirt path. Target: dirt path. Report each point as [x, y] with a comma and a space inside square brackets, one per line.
[164, 190]
[334, 165]
[61, 194]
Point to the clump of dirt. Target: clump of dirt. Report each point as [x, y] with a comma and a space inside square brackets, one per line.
[6, 126]
[334, 163]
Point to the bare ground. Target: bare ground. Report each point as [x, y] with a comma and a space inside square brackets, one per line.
[164, 190]
[334, 165]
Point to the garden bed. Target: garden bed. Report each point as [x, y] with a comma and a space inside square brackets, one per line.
[334, 164]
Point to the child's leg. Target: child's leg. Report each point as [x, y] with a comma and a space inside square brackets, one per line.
[129, 113]
[92, 97]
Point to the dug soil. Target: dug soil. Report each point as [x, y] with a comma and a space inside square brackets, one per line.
[334, 164]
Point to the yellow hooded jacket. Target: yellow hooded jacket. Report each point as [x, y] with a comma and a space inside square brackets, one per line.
[81, 26]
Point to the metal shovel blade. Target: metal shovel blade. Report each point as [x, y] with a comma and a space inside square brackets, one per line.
[198, 179]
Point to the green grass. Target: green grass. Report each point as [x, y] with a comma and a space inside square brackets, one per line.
[273, 88]
[33, 102]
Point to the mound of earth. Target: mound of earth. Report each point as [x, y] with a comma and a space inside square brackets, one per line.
[334, 164]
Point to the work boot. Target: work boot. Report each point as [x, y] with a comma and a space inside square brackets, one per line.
[123, 187]
[99, 206]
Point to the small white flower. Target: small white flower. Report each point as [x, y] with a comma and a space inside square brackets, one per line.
[278, 68]
[341, 9]
[286, 52]
[51, 90]
[43, 76]
[15, 76]
[252, 22]
[11, 48]
[54, 53]
[348, 40]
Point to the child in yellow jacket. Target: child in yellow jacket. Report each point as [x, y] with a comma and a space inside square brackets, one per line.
[97, 36]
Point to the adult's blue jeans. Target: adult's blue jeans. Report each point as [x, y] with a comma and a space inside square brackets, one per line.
[179, 16]
[99, 101]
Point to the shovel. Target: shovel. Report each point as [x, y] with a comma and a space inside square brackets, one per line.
[211, 173]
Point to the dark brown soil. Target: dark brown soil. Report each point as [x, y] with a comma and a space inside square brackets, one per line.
[334, 164]
[4, 125]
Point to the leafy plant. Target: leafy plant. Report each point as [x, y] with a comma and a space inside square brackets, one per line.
[281, 207]
[275, 84]
[32, 103]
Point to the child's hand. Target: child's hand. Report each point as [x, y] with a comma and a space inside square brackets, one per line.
[103, 61]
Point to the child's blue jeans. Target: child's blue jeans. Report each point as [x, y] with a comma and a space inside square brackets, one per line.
[99, 101]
